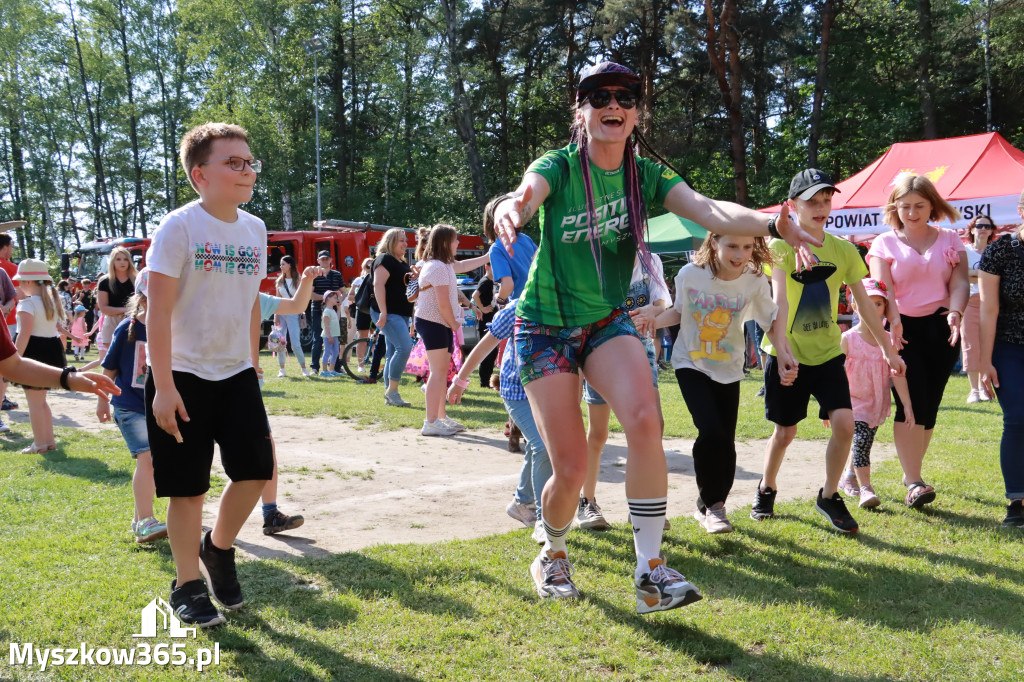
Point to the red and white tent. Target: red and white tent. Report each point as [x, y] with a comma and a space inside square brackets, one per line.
[977, 174]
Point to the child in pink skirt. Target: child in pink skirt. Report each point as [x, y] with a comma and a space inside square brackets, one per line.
[79, 334]
[869, 377]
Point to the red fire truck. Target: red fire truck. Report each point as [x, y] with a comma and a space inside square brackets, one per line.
[348, 243]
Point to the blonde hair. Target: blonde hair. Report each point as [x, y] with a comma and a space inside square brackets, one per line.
[196, 145]
[909, 184]
[132, 271]
[388, 241]
[707, 255]
[422, 235]
[51, 300]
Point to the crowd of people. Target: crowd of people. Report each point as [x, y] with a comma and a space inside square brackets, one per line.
[571, 317]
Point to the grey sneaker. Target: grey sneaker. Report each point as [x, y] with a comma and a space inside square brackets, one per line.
[437, 428]
[663, 589]
[539, 535]
[525, 514]
[589, 516]
[552, 576]
[713, 519]
[392, 398]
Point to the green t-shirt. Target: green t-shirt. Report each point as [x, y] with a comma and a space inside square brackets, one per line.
[564, 288]
[813, 297]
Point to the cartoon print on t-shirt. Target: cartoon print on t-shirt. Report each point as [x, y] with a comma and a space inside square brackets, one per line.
[712, 330]
[140, 369]
[814, 311]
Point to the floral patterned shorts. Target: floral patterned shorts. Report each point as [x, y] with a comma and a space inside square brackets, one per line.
[545, 350]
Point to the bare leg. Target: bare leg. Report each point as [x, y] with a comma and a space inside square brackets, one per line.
[269, 495]
[775, 452]
[863, 476]
[837, 450]
[974, 377]
[240, 497]
[38, 414]
[439, 360]
[143, 487]
[184, 527]
[911, 443]
[597, 436]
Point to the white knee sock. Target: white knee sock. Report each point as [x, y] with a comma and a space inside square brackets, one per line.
[648, 517]
[556, 538]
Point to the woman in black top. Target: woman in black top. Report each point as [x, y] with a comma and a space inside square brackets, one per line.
[390, 310]
[112, 294]
[1001, 281]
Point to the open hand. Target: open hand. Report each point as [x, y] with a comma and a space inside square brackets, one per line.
[797, 237]
[508, 218]
[90, 382]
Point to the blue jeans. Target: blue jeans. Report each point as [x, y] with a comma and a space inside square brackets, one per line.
[399, 344]
[1008, 359]
[291, 327]
[536, 464]
[331, 349]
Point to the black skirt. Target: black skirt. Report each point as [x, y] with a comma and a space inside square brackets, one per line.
[47, 350]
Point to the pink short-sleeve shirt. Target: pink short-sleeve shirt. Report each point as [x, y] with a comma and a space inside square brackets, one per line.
[921, 281]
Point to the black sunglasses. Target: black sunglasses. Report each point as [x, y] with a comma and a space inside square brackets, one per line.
[599, 99]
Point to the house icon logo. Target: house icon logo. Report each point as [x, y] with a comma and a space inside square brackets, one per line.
[159, 613]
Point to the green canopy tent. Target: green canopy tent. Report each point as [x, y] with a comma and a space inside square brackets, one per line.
[673, 238]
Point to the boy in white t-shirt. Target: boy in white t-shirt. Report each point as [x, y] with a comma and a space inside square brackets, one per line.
[206, 263]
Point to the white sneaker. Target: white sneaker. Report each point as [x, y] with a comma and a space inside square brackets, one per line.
[4, 428]
[280, 372]
[437, 428]
[539, 535]
[664, 588]
[552, 576]
[453, 424]
[974, 396]
[305, 372]
[714, 520]
[525, 514]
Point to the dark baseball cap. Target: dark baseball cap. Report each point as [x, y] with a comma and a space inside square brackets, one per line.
[323, 254]
[809, 182]
[604, 74]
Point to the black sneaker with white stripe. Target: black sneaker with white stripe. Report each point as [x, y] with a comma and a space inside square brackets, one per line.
[218, 567]
[834, 509]
[192, 605]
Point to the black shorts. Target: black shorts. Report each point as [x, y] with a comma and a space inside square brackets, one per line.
[787, 405]
[435, 336]
[363, 320]
[47, 350]
[229, 413]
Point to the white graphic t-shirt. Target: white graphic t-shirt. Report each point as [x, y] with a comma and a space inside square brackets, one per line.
[713, 312]
[219, 267]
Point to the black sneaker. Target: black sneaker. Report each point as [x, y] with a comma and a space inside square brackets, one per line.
[1014, 515]
[589, 515]
[218, 567]
[278, 522]
[192, 605]
[834, 509]
[764, 503]
[8, 405]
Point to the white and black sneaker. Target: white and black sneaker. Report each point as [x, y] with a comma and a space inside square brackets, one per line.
[589, 515]
[552, 576]
[664, 588]
[218, 567]
[192, 605]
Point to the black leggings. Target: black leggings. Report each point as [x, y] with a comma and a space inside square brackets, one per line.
[930, 360]
[713, 408]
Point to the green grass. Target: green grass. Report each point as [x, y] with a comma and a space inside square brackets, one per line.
[915, 596]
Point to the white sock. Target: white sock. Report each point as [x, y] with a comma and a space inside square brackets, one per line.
[648, 517]
[556, 538]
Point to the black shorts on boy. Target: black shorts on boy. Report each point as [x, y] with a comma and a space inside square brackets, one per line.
[229, 413]
[787, 405]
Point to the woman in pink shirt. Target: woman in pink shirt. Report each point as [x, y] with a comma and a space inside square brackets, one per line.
[925, 271]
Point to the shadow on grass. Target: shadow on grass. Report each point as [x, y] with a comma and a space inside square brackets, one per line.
[256, 664]
[874, 591]
[95, 470]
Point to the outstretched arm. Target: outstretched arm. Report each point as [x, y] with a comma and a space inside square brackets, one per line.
[513, 213]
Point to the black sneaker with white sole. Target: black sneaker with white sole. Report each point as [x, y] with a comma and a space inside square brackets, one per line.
[764, 503]
[834, 509]
[191, 604]
[1014, 515]
[218, 567]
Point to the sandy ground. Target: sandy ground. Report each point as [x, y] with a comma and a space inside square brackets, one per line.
[358, 487]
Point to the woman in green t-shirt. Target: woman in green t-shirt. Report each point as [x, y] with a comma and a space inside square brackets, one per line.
[593, 226]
